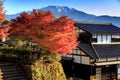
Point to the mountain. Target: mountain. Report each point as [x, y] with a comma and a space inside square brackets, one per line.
[71, 12]
[76, 15]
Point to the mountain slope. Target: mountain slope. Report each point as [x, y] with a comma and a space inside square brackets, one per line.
[71, 12]
[76, 15]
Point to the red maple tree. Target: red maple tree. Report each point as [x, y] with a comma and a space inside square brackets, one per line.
[2, 14]
[54, 35]
[3, 27]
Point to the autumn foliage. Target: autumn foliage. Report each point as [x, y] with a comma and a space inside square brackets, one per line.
[4, 31]
[54, 35]
[2, 14]
[3, 27]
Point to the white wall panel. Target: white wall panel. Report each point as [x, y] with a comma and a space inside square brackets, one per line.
[85, 60]
[104, 38]
[108, 38]
[77, 59]
[99, 39]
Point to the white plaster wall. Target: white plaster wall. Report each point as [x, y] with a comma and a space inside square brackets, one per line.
[85, 60]
[104, 39]
[115, 36]
[69, 56]
[77, 59]
[99, 39]
[108, 38]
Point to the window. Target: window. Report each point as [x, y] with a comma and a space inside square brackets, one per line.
[108, 39]
[101, 38]
[115, 38]
[94, 40]
[104, 39]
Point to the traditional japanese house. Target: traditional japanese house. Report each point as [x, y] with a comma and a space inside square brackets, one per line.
[98, 53]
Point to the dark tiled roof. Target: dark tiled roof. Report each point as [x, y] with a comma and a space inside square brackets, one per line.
[98, 27]
[107, 50]
[88, 49]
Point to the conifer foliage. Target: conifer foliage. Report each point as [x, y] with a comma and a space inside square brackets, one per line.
[54, 35]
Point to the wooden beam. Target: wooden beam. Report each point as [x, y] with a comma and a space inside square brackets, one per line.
[107, 63]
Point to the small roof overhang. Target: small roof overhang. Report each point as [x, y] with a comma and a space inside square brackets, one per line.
[107, 50]
[88, 49]
[98, 28]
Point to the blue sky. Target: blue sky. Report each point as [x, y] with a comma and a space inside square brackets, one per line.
[97, 7]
